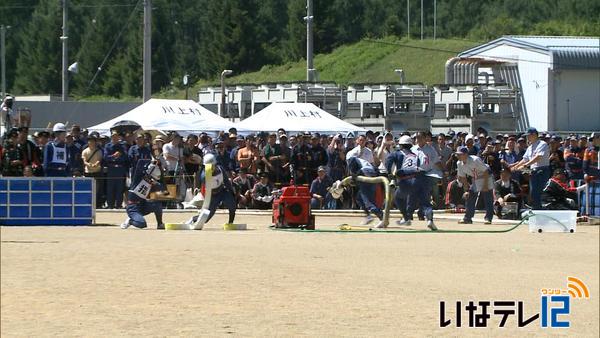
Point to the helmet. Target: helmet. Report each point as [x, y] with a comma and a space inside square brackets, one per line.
[59, 127]
[209, 159]
[405, 140]
[153, 171]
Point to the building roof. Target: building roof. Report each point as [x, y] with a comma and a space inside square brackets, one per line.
[567, 52]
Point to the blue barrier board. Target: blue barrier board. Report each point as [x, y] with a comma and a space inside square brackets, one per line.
[47, 201]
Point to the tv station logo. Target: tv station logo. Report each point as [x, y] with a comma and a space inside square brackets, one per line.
[555, 307]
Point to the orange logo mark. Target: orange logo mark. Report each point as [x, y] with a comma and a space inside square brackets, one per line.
[577, 288]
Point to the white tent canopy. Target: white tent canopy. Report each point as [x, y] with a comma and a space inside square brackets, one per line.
[296, 117]
[183, 116]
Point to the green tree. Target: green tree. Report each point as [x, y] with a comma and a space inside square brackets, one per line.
[39, 62]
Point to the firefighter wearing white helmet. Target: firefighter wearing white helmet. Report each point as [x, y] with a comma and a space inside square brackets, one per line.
[209, 159]
[219, 187]
[145, 179]
[405, 167]
[56, 156]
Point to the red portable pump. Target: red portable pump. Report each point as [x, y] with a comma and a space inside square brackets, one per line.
[291, 208]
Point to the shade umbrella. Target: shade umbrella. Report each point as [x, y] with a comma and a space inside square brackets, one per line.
[125, 126]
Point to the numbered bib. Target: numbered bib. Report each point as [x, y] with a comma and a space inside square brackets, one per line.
[410, 162]
[59, 155]
[142, 189]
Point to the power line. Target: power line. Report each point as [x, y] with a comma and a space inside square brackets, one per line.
[458, 52]
[6, 7]
[131, 15]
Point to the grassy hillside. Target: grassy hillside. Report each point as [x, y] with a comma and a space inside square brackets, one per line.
[365, 61]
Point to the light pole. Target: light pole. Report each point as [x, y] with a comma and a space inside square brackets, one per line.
[408, 19]
[186, 79]
[400, 72]
[421, 19]
[3, 56]
[65, 53]
[147, 52]
[224, 73]
[309, 41]
[434, 19]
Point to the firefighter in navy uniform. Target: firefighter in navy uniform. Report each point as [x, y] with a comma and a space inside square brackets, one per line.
[222, 190]
[55, 154]
[412, 184]
[145, 180]
[366, 191]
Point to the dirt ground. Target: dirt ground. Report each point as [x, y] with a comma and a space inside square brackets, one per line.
[104, 281]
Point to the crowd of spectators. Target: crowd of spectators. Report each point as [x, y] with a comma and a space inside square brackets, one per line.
[260, 163]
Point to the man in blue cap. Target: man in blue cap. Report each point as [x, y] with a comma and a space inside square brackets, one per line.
[537, 158]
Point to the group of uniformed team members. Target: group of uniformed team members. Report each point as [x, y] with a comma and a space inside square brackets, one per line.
[146, 179]
[413, 169]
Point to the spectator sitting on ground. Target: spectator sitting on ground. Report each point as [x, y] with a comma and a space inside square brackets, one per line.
[243, 185]
[321, 198]
[506, 190]
[557, 195]
[262, 193]
[455, 195]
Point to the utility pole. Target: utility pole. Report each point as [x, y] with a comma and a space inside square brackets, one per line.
[434, 18]
[147, 70]
[224, 73]
[3, 58]
[408, 19]
[309, 40]
[421, 19]
[65, 52]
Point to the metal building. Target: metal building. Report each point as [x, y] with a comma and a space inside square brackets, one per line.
[558, 78]
[389, 106]
[244, 100]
